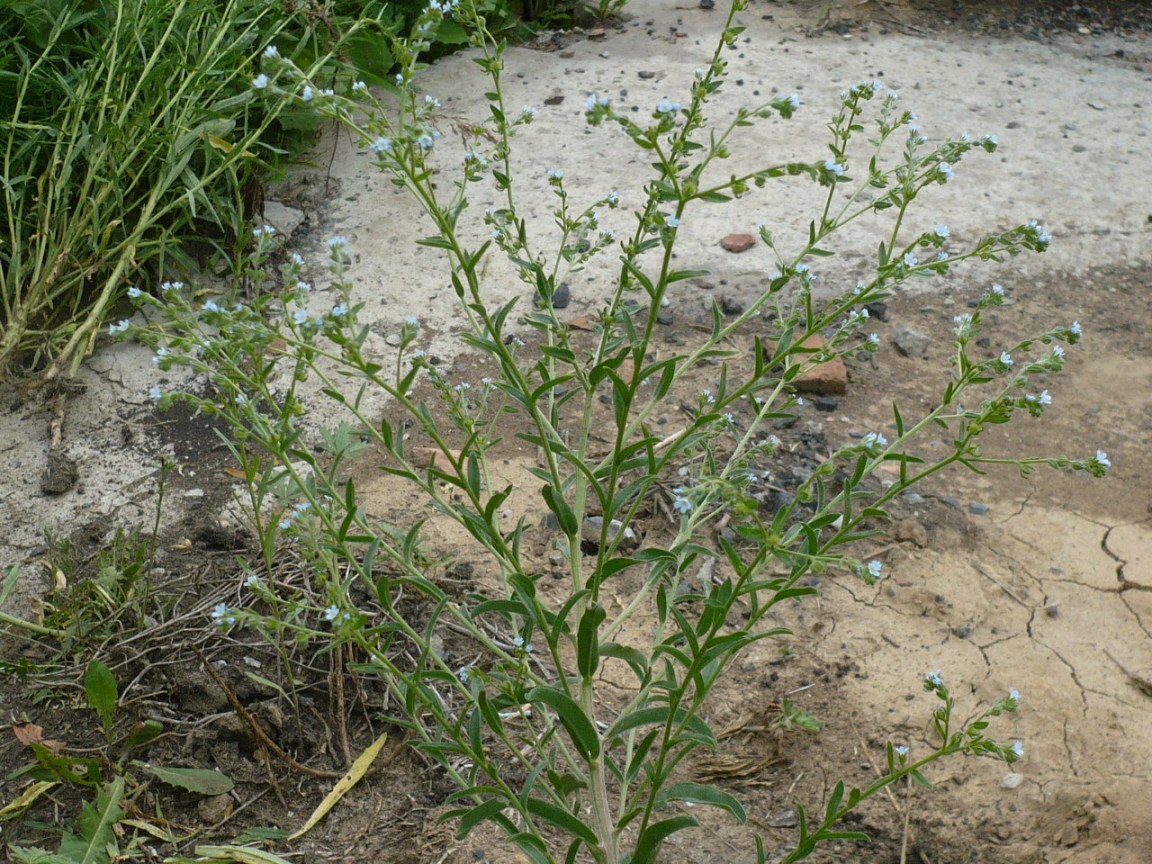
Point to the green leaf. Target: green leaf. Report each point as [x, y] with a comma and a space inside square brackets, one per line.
[579, 727]
[588, 641]
[560, 818]
[649, 843]
[100, 686]
[202, 781]
[561, 510]
[699, 793]
[96, 826]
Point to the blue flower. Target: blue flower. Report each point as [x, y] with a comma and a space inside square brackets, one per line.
[555, 174]
[945, 170]
[1005, 358]
[794, 100]
[155, 393]
[1102, 460]
[833, 166]
[271, 52]
[300, 316]
[681, 504]
[338, 242]
[1018, 749]
[874, 569]
[529, 113]
[122, 327]
[359, 87]
[1075, 329]
[874, 439]
[942, 231]
[260, 82]
[666, 106]
[134, 292]
[935, 678]
[332, 612]
[672, 221]
[306, 95]
[381, 146]
[1014, 695]
[900, 750]
[910, 259]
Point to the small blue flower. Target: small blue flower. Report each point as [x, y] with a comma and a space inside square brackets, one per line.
[834, 167]
[339, 311]
[271, 53]
[1102, 460]
[1075, 329]
[1058, 351]
[211, 306]
[529, 113]
[613, 199]
[425, 141]
[260, 82]
[666, 106]
[359, 87]
[942, 231]
[794, 100]
[935, 678]
[672, 221]
[159, 356]
[300, 316]
[874, 569]
[338, 242]
[306, 95]
[155, 393]
[431, 101]
[910, 259]
[412, 321]
[253, 581]
[332, 613]
[1005, 358]
[1014, 695]
[681, 504]
[171, 286]
[464, 673]
[1018, 749]
[874, 439]
[945, 170]
[381, 146]
[873, 340]
[122, 327]
[900, 750]
[134, 292]
[221, 614]
[997, 289]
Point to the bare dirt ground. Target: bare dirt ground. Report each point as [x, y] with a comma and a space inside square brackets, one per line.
[1043, 584]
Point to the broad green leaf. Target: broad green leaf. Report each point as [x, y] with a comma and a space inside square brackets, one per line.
[649, 843]
[202, 781]
[579, 727]
[100, 687]
[699, 793]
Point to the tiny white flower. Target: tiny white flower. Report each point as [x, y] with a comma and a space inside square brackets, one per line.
[271, 52]
[874, 439]
[998, 289]
[1102, 459]
[1045, 398]
[1057, 351]
[1014, 695]
[306, 94]
[834, 166]
[945, 171]
[1006, 358]
[1075, 329]
[1018, 749]
[359, 87]
[794, 100]
[260, 82]
[555, 174]
[134, 292]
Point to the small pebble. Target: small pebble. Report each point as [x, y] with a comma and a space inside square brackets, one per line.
[978, 509]
[645, 74]
[1011, 780]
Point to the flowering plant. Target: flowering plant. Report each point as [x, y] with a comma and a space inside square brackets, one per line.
[526, 725]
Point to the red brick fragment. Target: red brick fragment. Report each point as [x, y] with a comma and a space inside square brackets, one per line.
[738, 242]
